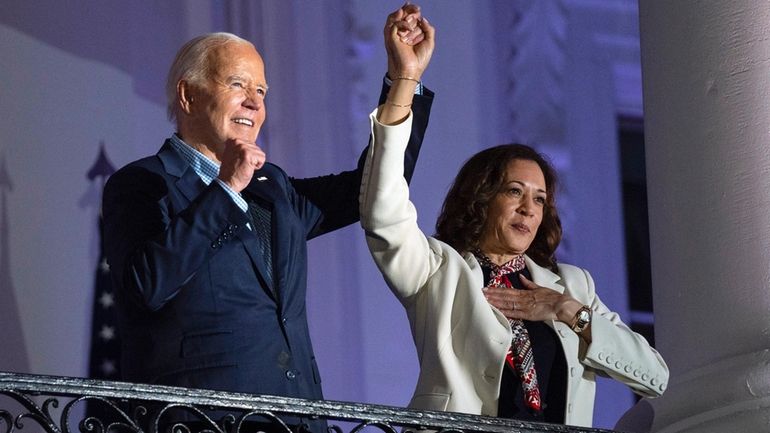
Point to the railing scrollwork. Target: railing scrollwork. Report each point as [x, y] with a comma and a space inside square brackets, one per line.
[30, 403]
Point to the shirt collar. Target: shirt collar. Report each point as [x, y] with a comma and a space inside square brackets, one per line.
[203, 166]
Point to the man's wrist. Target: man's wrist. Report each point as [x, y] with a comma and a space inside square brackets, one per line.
[418, 89]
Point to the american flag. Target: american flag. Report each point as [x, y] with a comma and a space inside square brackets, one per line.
[105, 343]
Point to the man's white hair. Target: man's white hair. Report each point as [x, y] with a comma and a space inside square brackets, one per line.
[191, 64]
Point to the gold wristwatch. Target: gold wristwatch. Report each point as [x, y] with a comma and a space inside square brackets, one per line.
[582, 319]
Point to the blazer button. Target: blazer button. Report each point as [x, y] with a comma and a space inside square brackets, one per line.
[601, 356]
[291, 374]
[628, 369]
[654, 381]
[609, 360]
[637, 373]
[572, 371]
[645, 376]
[618, 364]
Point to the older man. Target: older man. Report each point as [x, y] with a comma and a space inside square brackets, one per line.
[207, 240]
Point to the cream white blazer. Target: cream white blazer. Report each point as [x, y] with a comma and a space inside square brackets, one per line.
[461, 340]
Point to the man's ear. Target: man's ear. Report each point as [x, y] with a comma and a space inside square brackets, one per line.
[185, 96]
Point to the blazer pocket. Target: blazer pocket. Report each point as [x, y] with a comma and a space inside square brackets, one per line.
[431, 401]
[208, 343]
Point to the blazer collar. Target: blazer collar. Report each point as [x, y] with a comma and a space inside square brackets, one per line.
[189, 183]
[474, 265]
[261, 185]
[544, 276]
[172, 161]
[540, 275]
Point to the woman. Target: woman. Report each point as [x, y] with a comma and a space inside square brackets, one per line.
[500, 328]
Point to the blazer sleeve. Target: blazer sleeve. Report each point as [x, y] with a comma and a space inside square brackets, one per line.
[330, 202]
[615, 350]
[389, 219]
[154, 247]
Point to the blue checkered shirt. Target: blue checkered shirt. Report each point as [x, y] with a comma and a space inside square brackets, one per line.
[205, 168]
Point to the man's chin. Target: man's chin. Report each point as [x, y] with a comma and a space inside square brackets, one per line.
[249, 138]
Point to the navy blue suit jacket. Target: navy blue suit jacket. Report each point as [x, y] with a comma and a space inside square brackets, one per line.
[193, 306]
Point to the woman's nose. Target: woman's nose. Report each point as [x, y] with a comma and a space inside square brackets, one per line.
[526, 205]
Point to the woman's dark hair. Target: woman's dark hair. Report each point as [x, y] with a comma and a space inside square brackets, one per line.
[464, 212]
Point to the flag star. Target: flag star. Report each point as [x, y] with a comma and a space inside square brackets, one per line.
[107, 300]
[108, 367]
[107, 333]
[104, 266]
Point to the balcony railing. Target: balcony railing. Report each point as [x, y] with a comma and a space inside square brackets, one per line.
[33, 403]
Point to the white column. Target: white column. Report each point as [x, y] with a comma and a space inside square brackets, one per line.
[706, 72]
[595, 229]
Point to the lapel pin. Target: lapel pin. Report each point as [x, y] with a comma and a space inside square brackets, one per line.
[262, 178]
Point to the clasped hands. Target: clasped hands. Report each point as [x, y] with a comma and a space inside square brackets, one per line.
[409, 42]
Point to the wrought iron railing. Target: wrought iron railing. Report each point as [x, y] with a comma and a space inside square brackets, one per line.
[33, 403]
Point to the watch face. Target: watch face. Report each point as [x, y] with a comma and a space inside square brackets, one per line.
[582, 319]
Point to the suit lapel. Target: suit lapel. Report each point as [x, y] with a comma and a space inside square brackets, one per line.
[251, 244]
[261, 191]
[190, 186]
[478, 275]
[540, 275]
[475, 267]
[188, 182]
[543, 276]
